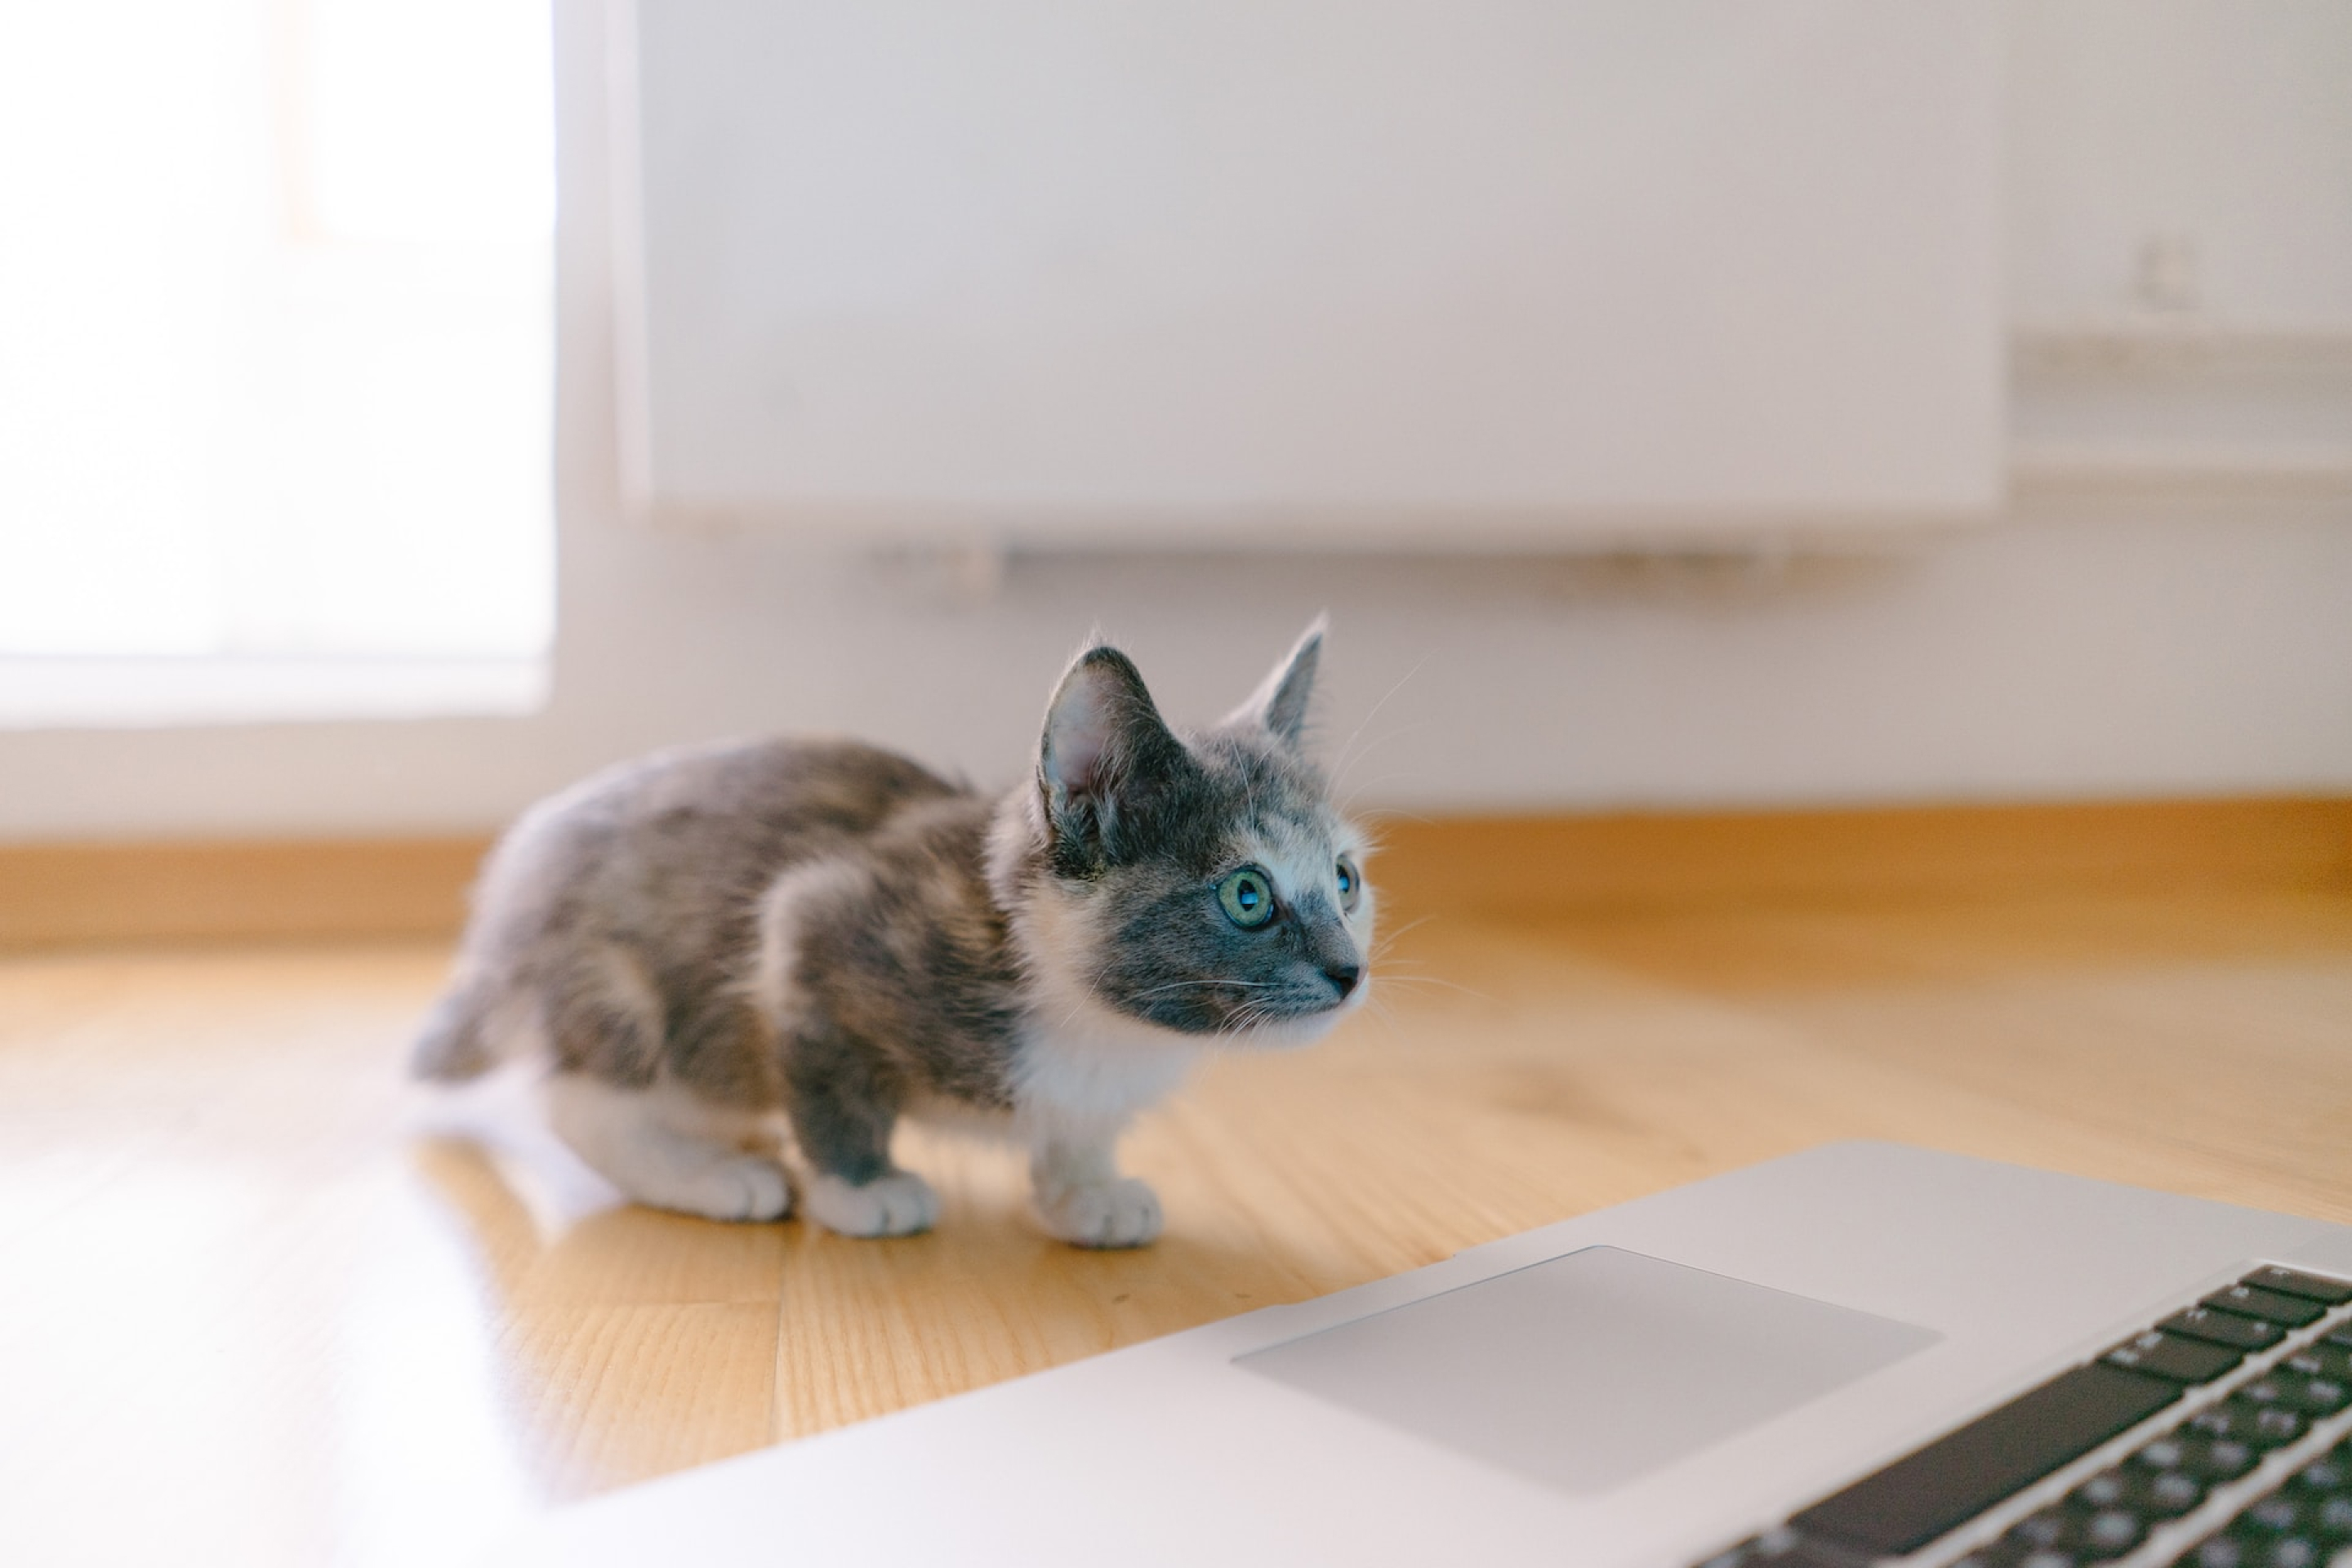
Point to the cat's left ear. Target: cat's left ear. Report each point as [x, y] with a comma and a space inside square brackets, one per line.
[1280, 704]
[1107, 762]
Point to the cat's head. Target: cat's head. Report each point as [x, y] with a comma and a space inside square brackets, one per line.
[1202, 883]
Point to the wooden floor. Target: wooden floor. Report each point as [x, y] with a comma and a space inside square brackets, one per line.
[254, 1311]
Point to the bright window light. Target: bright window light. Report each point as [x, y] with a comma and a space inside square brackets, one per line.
[276, 340]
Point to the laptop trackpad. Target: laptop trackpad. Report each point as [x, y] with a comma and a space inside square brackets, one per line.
[1589, 1370]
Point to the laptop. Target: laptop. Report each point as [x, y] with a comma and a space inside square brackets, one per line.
[1860, 1353]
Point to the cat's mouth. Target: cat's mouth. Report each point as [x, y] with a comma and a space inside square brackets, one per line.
[1242, 1013]
[1303, 1023]
[1293, 1029]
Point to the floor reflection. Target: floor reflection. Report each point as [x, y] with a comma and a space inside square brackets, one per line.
[631, 1343]
[625, 1344]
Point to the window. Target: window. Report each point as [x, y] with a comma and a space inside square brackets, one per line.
[276, 358]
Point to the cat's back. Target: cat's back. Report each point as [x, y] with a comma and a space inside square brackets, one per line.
[782, 786]
[674, 847]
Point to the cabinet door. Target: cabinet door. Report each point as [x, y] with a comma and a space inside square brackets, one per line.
[1306, 272]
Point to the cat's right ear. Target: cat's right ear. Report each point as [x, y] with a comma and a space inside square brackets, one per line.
[1105, 756]
[1280, 704]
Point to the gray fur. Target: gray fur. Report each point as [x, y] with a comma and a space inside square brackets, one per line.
[825, 930]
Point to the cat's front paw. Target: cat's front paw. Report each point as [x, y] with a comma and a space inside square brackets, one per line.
[900, 1203]
[1122, 1213]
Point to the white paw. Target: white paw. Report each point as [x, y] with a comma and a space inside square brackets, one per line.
[900, 1203]
[1123, 1212]
[740, 1188]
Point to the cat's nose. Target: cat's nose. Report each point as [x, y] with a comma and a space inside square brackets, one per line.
[1343, 976]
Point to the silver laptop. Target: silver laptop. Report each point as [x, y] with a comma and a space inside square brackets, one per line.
[1863, 1353]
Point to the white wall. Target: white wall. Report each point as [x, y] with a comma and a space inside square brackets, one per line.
[2098, 642]
[2222, 126]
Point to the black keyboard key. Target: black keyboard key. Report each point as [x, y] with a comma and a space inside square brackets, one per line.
[2089, 1535]
[2221, 1459]
[2279, 1532]
[2194, 1454]
[2326, 1477]
[2334, 1293]
[2323, 1360]
[2173, 1358]
[2315, 1395]
[2273, 1515]
[2221, 1551]
[2111, 1532]
[1922, 1495]
[2262, 1550]
[2253, 1423]
[2153, 1494]
[2048, 1528]
[2167, 1495]
[2269, 1306]
[2108, 1489]
[2082, 1535]
[2224, 1328]
[2291, 1390]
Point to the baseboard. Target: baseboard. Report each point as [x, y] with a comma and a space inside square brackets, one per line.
[57, 894]
[1537, 864]
[54, 894]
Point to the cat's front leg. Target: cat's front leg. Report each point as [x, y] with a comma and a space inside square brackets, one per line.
[843, 1129]
[1082, 1199]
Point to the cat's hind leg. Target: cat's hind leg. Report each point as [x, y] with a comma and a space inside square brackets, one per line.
[666, 1147]
[611, 1097]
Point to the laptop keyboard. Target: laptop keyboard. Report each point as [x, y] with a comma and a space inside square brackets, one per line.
[2253, 1468]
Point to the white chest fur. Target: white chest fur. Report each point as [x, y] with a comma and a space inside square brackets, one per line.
[1088, 1076]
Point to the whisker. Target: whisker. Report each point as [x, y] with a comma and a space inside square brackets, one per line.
[1218, 985]
[1339, 767]
[1387, 938]
[1347, 805]
[1398, 813]
[1436, 980]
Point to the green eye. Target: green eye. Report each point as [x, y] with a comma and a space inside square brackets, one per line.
[1349, 884]
[1248, 898]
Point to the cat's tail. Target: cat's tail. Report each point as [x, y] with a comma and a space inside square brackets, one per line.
[460, 1039]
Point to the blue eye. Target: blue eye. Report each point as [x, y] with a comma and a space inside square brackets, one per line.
[1247, 898]
[1349, 884]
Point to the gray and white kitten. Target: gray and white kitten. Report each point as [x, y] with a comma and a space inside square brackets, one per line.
[710, 948]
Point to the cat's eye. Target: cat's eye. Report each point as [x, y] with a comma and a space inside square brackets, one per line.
[1247, 898]
[1350, 883]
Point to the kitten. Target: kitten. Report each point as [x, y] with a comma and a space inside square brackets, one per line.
[709, 943]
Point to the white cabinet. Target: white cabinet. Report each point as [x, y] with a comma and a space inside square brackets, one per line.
[1295, 273]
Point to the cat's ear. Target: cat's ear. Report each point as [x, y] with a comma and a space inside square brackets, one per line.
[1280, 704]
[1105, 756]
